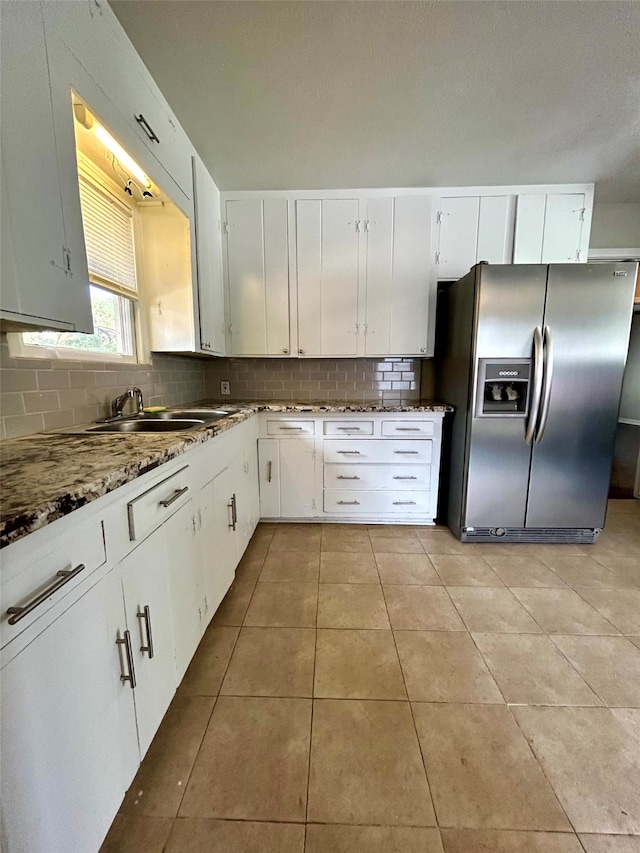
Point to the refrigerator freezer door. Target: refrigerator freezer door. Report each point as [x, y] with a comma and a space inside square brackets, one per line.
[588, 317]
[510, 306]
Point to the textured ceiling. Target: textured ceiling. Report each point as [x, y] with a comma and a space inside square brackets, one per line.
[281, 95]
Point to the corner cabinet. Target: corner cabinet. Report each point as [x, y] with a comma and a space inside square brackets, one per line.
[552, 228]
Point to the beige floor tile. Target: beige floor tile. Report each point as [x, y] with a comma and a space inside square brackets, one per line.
[488, 609]
[407, 569]
[357, 605]
[202, 835]
[421, 608]
[161, 780]
[133, 833]
[441, 542]
[545, 551]
[345, 540]
[481, 772]
[401, 530]
[504, 841]
[592, 763]
[307, 538]
[625, 570]
[630, 719]
[581, 571]
[271, 662]
[283, 605]
[348, 567]
[357, 665]
[442, 666]
[610, 843]
[372, 839]
[396, 544]
[620, 606]
[251, 743]
[292, 566]
[366, 765]
[523, 571]
[458, 570]
[234, 605]
[209, 664]
[610, 665]
[562, 611]
[635, 641]
[529, 670]
[251, 564]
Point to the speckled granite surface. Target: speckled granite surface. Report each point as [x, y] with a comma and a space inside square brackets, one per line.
[48, 475]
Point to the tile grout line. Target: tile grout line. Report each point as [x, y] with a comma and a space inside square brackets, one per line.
[313, 691]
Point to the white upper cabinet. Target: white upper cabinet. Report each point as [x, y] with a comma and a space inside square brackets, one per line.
[327, 246]
[209, 260]
[258, 276]
[398, 267]
[550, 229]
[48, 283]
[495, 229]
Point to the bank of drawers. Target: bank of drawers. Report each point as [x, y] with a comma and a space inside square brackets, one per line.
[396, 477]
[372, 503]
[377, 450]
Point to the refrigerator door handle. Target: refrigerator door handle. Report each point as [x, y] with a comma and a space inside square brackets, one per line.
[548, 377]
[538, 370]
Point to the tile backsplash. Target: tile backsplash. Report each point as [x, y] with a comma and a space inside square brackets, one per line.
[384, 380]
[36, 394]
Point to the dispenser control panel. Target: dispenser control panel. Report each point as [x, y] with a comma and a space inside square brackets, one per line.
[503, 387]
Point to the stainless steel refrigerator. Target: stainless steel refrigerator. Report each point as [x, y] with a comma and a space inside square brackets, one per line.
[532, 357]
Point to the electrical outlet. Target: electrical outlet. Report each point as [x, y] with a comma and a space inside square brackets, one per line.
[225, 387]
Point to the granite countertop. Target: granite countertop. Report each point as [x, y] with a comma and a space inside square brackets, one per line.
[48, 475]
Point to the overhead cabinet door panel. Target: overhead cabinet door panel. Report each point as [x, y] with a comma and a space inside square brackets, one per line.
[458, 236]
[327, 251]
[562, 228]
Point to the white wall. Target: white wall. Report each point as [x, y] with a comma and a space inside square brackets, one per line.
[615, 226]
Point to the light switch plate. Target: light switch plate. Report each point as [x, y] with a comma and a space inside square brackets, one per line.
[225, 387]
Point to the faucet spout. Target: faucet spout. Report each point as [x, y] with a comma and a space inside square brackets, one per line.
[117, 405]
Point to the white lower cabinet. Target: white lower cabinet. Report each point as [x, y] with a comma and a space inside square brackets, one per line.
[69, 747]
[288, 477]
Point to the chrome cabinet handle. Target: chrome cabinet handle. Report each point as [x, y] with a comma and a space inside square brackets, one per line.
[407, 429]
[234, 514]
[144, 124]
[404, 503]
[546, 383]
[538, 370]
[174, 497]
[269, 469]
[342, 477]
[406, 452]
[405, 478]
[146, 615]
[126, 642]
[350, 429]
[349, 503]
[350, 452]
[64, 576]
[295, 429]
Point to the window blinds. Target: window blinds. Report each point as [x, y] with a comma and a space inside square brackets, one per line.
[108, 234]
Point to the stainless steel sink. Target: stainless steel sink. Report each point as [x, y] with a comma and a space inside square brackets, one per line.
[206, 415]
[149, 424]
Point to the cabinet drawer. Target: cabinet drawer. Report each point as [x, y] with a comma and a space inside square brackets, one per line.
[377, 450]
[35, 573]
[290, 428]
[357, 477]
[345, 428]
[152, 507]
[408, 429]
[374, 502]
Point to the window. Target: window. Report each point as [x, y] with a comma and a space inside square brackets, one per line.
[109, 228]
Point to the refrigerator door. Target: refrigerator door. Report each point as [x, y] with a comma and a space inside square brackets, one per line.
[510, 307]
[587, 322]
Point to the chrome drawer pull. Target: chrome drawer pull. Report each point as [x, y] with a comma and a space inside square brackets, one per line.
[64, 576]
[269, 470]
[342, 477]
[407, 452]
[174, 497]
[126, 642]
[349, 503]
[407, 429]
[404, 503]
[405, 478]
[234, 512]
[350, 429]
[350, 452]
[295, 429]
[146, 615]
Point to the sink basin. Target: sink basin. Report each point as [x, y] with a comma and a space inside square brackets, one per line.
[146, 424]
[207, 415]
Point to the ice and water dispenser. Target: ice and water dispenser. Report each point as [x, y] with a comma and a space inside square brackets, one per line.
[503, 387]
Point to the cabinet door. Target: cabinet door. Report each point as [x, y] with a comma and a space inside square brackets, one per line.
[457, 236]
[258, 275]
[145, 580]
[52, 285]
[269, 477]
[298, 478]
[563, 228]
[495, 229]
[248, 496]
[69, 746]
[218, 540]
[209, 260]
[327, 240]
[186, 606]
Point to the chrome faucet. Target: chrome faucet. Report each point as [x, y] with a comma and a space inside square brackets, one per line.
[117, 405]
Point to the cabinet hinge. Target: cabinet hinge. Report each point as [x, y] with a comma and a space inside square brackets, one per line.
[437, 258]
[578, 254]
[583, 210]
[367, 225]
[313, 503]
[439, 216]
[358, 226]
[225, 227]
[66, 259]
